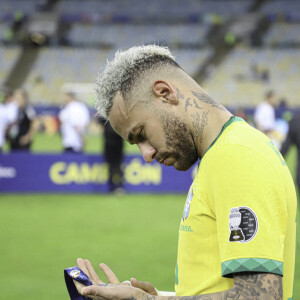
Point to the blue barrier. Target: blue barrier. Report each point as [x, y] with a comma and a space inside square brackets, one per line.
[72, 173]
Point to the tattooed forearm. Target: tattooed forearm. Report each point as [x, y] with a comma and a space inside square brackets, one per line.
[247, 286]
[209, 100]
[199, 124]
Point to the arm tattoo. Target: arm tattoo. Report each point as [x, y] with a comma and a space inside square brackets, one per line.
[199, 124]
[209, 100]
[247, 286]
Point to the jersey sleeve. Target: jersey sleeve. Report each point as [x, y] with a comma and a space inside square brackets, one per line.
[249, 203]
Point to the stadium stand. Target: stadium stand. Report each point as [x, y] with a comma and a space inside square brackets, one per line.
[8, 8]
[56, 66]
[288, 8]
[123, 36]
[155, 8]
[200, 33]
[8, 57]
[283, 34]
[3, 29]
[244, 76]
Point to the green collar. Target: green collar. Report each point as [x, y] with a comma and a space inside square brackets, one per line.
[229, 122]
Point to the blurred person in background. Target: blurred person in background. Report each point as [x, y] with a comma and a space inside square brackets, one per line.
[264, 114]
[113, 153]
[74, 119]
[5, 117]
[11, 106]
[293, 139]
[22, 130]
[3, 125]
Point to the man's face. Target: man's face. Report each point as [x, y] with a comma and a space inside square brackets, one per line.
[157, 131]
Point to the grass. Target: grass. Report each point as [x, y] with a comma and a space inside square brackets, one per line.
[41, 235]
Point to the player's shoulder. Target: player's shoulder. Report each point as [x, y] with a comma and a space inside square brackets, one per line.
[241, 144]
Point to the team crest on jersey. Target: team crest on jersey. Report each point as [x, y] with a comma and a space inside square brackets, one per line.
[243, 224]
[187, 206]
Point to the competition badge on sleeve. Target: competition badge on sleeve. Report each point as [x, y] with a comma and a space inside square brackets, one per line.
[243, 224]
[75, 273]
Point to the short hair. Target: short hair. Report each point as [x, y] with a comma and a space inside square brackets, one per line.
[70, 94]
[121, 73]
[269, 94]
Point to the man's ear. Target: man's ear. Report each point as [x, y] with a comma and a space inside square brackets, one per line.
[165, 91]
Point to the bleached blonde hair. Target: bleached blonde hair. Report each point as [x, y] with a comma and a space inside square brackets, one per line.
[121, 73]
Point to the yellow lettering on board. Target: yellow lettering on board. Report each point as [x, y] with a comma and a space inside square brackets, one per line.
[73, 174]
[61, 173]
[57, 172]
[137, 173]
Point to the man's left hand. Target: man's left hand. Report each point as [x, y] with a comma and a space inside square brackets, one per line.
[88, 269]
[113, 292]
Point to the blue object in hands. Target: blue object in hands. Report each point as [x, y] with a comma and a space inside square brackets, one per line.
[75, 273]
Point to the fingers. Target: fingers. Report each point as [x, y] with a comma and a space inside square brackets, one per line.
[111, 292]
[110, 275]
[81, 265]
[93, 275]
[88, 269]
[145, 286]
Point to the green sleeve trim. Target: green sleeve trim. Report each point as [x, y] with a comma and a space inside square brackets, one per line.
[251, 265]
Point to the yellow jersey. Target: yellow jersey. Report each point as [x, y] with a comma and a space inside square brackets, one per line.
[239, 215]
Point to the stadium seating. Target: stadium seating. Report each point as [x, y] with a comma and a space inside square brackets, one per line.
[8, 8]
[289, 8]
[283, 34]
[234, 82]
[3, 28]
[154, 8]
[8, 57]
[123, 36]
[56, 66]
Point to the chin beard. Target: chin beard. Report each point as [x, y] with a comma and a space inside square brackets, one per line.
[185, 165]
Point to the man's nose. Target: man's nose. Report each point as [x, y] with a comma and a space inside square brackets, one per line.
[147, 151]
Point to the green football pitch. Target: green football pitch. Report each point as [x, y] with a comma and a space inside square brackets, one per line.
[136, 235]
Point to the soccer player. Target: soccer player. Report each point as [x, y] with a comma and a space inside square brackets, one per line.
[237, 232]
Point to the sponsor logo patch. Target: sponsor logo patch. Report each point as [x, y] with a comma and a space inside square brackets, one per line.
[75, 273]
[243, 224]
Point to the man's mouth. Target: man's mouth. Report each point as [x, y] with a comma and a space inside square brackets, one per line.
[168, 161]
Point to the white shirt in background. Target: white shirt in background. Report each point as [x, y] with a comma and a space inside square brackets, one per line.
[4, 121]
[264, 116]
[12, 110]
[74, 118]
